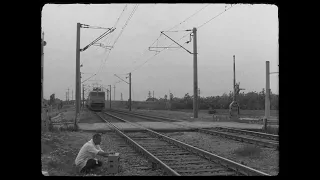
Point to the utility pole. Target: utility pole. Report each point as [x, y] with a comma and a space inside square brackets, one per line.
[195, 74]
[107, 94]
[153, 95]
[121, 96]
[110, 96]
[234, 78]
[43, 43]
[78, 90]
[82, 96]
[68, 95]
[114, 92]
[129, 91]
[72, 96]
[267, 98]
[199, 98]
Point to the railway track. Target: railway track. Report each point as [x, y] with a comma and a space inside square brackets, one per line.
[260, 139]
[178, 158]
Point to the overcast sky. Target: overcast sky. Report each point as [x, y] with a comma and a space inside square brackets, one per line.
[250, 32]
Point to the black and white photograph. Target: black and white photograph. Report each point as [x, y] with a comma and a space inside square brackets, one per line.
[160, 89]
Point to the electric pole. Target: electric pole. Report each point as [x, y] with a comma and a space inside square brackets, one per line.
[78, 90]
[267, 98]
[107, 94]
[129, 91]
[82, 96]
[234, 78]
[72, 96]
[199, 98]
[121, 96]
[110, 96]
[153, 95]
[114, 92]
[195, 68]
[195, 74]
[43, 43]
[68, 95]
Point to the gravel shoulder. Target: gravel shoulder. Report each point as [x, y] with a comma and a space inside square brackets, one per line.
[262, 159]
[59, 151]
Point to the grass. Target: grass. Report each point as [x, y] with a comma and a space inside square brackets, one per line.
[59, 153]
[248, 151]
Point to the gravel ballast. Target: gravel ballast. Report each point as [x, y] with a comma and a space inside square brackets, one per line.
[259, 158]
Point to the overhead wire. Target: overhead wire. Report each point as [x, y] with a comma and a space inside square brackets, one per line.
[158, 53]
[126, 23]
[116, 23]
[215, 17]
[188, 18]
[178, 31]
[172, 31]
[147, 50]
[108, 43]
[124, 26]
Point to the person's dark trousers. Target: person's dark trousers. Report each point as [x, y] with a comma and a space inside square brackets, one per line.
[91, 164]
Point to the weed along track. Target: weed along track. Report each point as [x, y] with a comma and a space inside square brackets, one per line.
[178, 158]
[251, 137]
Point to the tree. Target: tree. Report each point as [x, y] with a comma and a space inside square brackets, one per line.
[171, 96]
[52, 99]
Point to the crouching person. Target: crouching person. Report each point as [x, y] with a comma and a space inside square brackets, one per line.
[86, 159]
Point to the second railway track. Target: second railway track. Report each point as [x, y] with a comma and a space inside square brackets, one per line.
[178, 158]
[257, 138]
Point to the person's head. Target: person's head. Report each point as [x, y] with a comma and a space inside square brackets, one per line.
[96, 139]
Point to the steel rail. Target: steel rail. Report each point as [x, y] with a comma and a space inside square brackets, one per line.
[213, 132]
[245, 170]
[142, 150]
[259, 134]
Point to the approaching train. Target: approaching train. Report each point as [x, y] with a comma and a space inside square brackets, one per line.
[96, 100]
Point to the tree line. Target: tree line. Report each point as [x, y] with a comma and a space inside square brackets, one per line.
[251, 100]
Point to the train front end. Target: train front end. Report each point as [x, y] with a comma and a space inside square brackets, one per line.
[97, 101]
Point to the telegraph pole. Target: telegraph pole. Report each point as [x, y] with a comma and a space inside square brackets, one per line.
[153, 95]
[195, 74]
[72, 95]
[114, 92]
[78, 90]
[129, 91]
[121, 96]
[110, 96]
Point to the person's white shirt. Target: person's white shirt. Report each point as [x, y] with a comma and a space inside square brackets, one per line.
[88, 151]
